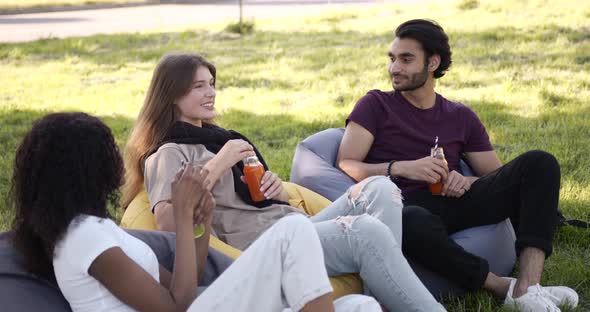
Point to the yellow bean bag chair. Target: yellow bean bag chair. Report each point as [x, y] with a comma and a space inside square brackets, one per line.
[139, 216]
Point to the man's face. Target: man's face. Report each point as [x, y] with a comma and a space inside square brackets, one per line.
[408, 68]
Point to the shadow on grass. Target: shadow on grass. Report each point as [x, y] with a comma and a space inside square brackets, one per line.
[502, 47]
[544, 33]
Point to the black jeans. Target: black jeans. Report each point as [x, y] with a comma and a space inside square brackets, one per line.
[526, 190]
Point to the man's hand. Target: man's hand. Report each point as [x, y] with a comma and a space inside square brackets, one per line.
[427, 169]
[456, 185]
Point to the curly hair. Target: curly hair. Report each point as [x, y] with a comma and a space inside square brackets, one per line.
[67, 164]
[433, 39]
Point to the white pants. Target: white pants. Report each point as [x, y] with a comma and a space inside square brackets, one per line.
[281, 271]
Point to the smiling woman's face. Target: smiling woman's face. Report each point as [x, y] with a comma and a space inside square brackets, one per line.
[199, 103]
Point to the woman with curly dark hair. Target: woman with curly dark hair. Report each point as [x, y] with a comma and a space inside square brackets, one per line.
[68, 164]
[68, 167]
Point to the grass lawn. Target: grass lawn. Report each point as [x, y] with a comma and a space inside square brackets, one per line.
[523, 66]
[26, 4]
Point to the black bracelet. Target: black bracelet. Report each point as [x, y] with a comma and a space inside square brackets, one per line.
[391, 176]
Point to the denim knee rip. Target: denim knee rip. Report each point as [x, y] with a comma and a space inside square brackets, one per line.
[346, 222]
[397, 193]
[361, 197]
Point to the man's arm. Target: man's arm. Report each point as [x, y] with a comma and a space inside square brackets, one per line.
[355, 146]
[483, 162]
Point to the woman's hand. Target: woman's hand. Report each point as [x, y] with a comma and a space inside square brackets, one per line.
[272, 187]
[190, 197]
[232, 152]
[203, 210]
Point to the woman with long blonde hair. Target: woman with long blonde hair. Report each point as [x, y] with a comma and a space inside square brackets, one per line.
[359, 232]
[157, 116]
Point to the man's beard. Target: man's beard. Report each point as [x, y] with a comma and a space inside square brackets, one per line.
[416, 81]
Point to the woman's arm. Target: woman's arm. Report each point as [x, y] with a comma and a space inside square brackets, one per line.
[131, 284]
[231, 153]
[126, 280]
[164, 213]
[165, 222]
[202, 248]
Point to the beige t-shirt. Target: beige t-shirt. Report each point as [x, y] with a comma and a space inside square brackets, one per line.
[234, 222]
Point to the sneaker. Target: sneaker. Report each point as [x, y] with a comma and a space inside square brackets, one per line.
[560, 295]
[532, 301]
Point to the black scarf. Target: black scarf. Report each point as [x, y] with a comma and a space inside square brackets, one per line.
[213, 138]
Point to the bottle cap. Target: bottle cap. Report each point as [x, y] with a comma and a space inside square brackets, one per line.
[438, 153]
[251, 160]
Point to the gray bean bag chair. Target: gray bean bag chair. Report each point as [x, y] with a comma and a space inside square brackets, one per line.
[21, 291]
[314, 168]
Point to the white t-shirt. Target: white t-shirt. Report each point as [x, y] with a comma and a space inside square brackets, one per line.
[86, 238]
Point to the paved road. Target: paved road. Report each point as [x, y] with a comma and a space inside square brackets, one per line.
[27, 27]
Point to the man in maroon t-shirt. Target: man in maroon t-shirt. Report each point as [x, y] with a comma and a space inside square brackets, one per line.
[391, 133]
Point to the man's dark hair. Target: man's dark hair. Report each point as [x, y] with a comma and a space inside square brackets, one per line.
[433, 39]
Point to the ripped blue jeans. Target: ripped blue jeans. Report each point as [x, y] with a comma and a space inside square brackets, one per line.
[362, 232]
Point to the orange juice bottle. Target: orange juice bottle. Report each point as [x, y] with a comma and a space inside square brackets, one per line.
[253, 172]
[437, 152]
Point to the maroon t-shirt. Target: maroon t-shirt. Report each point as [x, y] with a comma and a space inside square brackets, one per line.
[405, 132]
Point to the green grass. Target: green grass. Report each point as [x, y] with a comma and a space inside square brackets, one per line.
[29, 4]
[523, 66]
